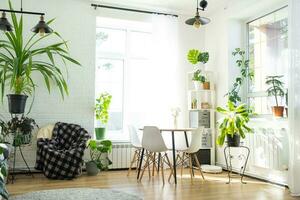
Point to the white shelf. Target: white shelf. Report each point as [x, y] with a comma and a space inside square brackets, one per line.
[201, 109]
[201, 90]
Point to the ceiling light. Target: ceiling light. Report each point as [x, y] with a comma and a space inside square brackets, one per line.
[4, 23]
[42, 27]
[198, 21]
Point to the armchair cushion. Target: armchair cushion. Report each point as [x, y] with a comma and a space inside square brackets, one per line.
[61, 156]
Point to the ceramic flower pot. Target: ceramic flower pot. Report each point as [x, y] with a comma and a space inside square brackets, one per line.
[233, 141]
[16, 103]
[100, 133]
[197, 85]
[91, 168]
[278, 111]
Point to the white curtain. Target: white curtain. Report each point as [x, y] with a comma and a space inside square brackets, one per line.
[294, 96]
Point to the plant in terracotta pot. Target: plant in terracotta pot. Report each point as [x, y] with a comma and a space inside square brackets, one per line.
[99, 156]
[276, 89]
[234, 125]
[102, 114]
[21, 57]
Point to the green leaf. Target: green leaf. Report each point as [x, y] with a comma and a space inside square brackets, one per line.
[193, 56]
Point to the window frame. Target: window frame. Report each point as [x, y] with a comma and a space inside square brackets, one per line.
[247, 85]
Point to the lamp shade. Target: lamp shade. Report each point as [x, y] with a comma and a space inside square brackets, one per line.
[4, 23]
[42, 27]
[202, 20]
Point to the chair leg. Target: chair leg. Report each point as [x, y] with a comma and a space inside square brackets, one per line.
[144, 168]
[154, 164]
[132, 162]
[182, 165]
[199, 166]
[162, 169]
[170, 165]
[190, 163]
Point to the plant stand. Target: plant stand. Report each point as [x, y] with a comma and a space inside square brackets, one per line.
[229, 157]
[13, 170]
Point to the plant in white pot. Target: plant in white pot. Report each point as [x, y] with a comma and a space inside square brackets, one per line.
[276, 89]
[102, 114]
[234, 124]
[20, 58]
[99, 156]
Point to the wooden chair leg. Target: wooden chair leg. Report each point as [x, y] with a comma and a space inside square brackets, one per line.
[154, 164]
[190, 166]
[132, 162]
[170, 165]
[199, 166]
[145, 166]
[182, 165]
[162, 169]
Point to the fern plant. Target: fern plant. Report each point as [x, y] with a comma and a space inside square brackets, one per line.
[21, 58]
[276, 87]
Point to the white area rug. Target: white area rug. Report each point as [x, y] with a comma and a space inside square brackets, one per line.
[77, 194]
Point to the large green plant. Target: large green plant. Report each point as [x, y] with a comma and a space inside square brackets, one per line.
[194, 56]
[245, 73]
[102, 107]
[276, 87]
[235, 121]
[20, 58]
[97, 149]
[3, 175]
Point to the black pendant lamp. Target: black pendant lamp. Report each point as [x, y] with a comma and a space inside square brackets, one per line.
[4, 23]
[42, 27]
[198, 21]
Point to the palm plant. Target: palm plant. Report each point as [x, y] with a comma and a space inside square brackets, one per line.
[19, 59]
[276, 87]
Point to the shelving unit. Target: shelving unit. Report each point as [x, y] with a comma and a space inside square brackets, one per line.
[201, 108]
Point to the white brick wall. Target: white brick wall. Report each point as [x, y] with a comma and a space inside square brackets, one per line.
[75, 21]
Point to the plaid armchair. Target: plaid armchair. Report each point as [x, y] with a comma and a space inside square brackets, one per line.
[61, 156]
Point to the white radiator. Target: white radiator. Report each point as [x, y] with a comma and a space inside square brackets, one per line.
[121, 155]
[269, 148]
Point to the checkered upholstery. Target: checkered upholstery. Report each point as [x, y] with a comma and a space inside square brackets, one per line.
[61, 156]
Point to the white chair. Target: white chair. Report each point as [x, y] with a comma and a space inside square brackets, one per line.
[136, 144]
[190, 153]
[154, 143]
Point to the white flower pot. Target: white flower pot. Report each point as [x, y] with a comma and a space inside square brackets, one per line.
[198, 85]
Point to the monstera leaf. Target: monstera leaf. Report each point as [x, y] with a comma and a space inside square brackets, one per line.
[193, 56]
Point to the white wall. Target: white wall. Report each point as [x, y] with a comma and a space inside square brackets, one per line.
[222, 35]
[76, 21]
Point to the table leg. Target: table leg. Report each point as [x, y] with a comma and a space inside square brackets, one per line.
[140, 164]
[245, 165]
[174, 156]
[186, 139]
[227, 168]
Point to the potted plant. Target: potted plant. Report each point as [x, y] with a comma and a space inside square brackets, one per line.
[102, 114]
[21, 57]
[98, 161]
[275, 89]
[21, 128]
[3, 174]
[200, 81]
[234, 125]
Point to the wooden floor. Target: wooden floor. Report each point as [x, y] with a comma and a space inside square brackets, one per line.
[213, 188]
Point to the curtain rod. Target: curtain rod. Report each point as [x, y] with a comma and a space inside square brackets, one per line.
[131, 10]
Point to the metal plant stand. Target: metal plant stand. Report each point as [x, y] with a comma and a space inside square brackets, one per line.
[229, 157]
[13, 173]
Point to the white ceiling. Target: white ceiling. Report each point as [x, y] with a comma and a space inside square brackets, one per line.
[187, 7]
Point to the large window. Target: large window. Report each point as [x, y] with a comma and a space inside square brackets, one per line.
[122, 56]
[268, 55]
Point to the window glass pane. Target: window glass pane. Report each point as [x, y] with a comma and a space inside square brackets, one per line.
[110, 41]
[109, 78]
[268, 55]
[140, 44]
